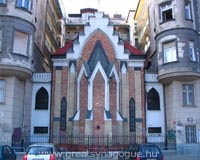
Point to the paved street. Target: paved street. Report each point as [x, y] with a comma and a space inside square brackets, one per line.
[168, 155]
[173, 155]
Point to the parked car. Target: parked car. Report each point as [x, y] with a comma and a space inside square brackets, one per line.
[141, 152]
[7, 153]
[42, 151]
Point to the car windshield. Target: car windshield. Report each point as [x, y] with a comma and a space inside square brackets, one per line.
[36, 150]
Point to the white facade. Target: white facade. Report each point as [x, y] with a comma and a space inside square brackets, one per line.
[97, 22]
[39, 117]
[155, 118]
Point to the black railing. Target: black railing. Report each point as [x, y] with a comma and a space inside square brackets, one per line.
[96, 142]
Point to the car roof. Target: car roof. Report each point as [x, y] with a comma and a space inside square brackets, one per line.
[43, 144]
[143, 145]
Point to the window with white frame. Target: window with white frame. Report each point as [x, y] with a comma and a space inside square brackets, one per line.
[191, 51]
[190, 134]
[170, 53]
[188, 13]
[188, 94]
[25, 4]
[2, 91]
[1, 37]
[2, 2]
[166, 12]
[20, 42]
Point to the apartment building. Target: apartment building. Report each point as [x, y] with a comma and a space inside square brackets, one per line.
[25, 28]
[173, 64]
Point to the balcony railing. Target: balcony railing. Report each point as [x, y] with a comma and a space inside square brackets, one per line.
[151, 78]
[42, 77]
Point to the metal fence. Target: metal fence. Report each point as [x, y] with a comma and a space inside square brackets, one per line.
[97, 143]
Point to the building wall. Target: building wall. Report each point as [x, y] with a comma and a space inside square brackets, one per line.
[19, 67]
[48, 35]
[10, 24]
[16, 69]
[177, 112]
[40, 118]
[155, 118]
[15, 112]
[86, 113]
[183, 71]
[10, 9]
[39, 37]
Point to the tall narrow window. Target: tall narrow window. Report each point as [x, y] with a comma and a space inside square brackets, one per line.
[188, 13]
[132, 114]
[25, 4]
[190, 133]
[1, 37]
[188, 94]
[169, 50]
[63, 114]
[42, 98]
[20, 43]
[192, 52]
[166, 12]
[2, 91]
[153, 100]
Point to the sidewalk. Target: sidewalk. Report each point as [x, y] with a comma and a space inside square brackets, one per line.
[174, 155]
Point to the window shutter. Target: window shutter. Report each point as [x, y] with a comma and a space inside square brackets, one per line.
[20, 43]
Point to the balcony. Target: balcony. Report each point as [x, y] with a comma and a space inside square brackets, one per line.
[20, 69]
[178, 74]
[41, 77]
[151, 78]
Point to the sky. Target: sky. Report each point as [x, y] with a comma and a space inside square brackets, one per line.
[107, 6]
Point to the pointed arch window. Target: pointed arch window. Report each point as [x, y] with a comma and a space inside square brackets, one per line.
[153, 100]
[63, 112]
[132, 114]
[42, 99]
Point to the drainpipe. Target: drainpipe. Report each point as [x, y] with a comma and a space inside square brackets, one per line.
[23, 115]
[165, 114]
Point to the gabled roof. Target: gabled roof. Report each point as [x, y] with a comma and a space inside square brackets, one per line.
[63, 50]
[98, 55]
[132, 49]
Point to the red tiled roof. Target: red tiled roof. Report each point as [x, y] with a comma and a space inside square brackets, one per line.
[64, 49]
[132, 49]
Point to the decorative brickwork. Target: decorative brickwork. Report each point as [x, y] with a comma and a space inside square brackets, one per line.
[98, 104]
[83, 103]
[97, 92]
[113, 109]
[89, 46]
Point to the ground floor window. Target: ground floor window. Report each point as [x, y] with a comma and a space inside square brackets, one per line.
[40, 130]
[154, 130]
[190, 134]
